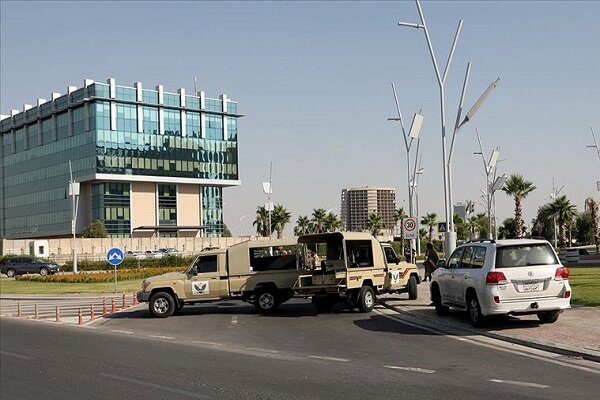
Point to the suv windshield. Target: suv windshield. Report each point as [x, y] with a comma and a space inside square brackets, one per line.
[525, 255]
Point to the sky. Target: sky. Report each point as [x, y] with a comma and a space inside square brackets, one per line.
[313, 80]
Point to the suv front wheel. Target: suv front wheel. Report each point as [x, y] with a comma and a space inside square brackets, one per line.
[10, 273]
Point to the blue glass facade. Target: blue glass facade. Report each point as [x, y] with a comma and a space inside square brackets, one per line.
[104, 130]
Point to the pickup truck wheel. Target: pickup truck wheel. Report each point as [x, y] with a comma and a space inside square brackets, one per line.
[366, 299]
[266, 301]
[548, 317]
[162, 304]
[412, 288]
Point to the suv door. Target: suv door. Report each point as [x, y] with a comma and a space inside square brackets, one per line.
[444, 276]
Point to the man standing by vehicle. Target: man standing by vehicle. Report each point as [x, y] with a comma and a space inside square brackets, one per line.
[431, 260]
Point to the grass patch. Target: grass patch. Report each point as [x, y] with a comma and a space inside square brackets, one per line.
[585, 284]
[12, 286]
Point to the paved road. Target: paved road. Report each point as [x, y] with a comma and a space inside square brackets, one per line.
[230, 352]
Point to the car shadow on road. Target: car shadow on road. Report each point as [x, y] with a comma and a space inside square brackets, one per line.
[381, 323]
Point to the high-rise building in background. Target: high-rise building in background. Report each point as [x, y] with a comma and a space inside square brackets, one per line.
[149, 162]
[358, 203]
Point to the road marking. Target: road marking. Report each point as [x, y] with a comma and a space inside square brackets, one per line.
[159, 387]
[15, 355]
[517, 383]
[330, 358]
[120, 331]
[411, 369]
[234, 319]
[263, 350]
[493, 344]
[208, 343]
[161, 337]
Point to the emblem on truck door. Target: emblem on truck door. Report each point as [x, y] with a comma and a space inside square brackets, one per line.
[200, 287]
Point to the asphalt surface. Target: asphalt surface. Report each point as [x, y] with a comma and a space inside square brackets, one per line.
[228, 351]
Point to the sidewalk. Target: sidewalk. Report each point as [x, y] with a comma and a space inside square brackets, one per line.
[576, 333]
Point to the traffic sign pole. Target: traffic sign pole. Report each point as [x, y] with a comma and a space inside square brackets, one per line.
[115, 256]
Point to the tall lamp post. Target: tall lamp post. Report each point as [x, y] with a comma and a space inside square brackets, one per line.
[450, 239]
[413, 134]
[268, 190]
[74, 193]
[595, 145]
[492, 183]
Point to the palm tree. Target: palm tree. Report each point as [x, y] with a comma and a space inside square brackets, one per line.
[262, 221]
[400, 215]
[279, 219]
[564, 211]
[318, 218]
[507, 229]
[473, 226]
[375, 223]
[302, 225]
[519, 188]
[332, 223]
[592, 205]
[430, 220]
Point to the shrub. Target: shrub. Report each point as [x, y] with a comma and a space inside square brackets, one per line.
[130, 263]
[122, 274]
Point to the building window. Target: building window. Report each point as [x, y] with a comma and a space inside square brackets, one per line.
[212, 210]
[231, 128]
[171, 99]
[214, 105]
[150, 96]
[126, 94]
[78, 120]
[193, 124]
[214, 127]
[32, 136]
[110, 204]
[101, 114]
[172, 120]
[126, 117]
[167, 204]
[62, 126]
[150, 120]
[192, 102]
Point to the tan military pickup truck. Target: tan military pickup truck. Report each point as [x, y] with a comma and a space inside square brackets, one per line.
[356, 266]
[261, 272]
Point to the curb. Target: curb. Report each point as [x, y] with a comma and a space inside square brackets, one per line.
[535, 344]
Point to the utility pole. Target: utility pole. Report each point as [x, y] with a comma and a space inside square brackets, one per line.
[74, 193]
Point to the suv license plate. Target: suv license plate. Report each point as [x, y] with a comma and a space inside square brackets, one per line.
[531, 287]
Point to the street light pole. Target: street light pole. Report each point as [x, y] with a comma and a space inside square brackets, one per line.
[595, 145]
[414, 132]
[441, 79]
[450, 239]
[74, 193]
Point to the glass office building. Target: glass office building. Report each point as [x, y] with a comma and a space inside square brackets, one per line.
[148, 162]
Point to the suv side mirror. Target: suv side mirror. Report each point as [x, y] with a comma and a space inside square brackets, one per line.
[193, 271]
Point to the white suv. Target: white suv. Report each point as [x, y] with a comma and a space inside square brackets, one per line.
[516, 276]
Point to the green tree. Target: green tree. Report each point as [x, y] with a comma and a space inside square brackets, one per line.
[318, 219]
[592, 206]
[517, 187]
[375, 223]
[226, 231]
[430, 221]
[507, 229]
[564, 211]
[472, 226]
[482, 225]
[332, 223]
[280, 217]
[462, 232]
[95, 230]
[262, 221]
[302, 225]
[542, 225]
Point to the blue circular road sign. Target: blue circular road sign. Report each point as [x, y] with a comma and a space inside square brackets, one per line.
[114, 256]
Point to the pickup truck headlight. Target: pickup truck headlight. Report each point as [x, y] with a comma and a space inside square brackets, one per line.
[145, 284]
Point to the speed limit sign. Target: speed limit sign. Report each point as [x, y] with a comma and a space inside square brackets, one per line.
[409, 228]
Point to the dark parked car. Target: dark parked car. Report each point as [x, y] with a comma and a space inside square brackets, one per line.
[12, 266]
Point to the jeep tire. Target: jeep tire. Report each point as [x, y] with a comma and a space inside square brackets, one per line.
[162, 304]
[412, 288]
[366, 299]
[265, 300]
